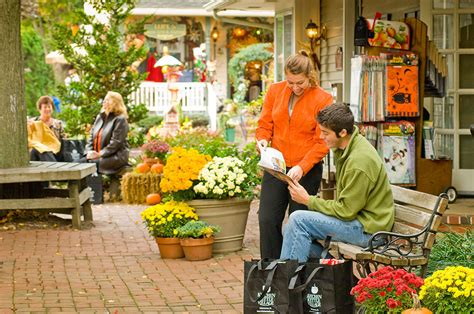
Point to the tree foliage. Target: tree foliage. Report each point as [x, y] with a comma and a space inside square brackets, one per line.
[236, 67]
[38, 75]
[96, 50]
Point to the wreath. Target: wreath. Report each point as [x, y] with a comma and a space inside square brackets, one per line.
[236, 67]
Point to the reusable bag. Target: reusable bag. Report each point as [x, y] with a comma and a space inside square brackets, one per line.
[72, 150]
[266, 287]
[326, 288]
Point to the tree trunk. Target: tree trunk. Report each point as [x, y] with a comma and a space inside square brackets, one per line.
[13, 133]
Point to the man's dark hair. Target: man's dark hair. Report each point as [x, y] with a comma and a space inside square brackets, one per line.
[337, 117]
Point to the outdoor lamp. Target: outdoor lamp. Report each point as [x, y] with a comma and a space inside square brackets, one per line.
[312, 32]
[215, 36]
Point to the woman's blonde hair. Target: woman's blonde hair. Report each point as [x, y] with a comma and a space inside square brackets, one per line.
[117, 107]
[301, 63]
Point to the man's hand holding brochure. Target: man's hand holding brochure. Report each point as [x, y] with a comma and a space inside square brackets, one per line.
[272, 161]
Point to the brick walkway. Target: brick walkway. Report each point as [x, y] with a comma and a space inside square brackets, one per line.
[115, 267]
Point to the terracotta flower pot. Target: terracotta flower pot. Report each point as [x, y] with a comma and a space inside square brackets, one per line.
[169, 247]
[197, 249]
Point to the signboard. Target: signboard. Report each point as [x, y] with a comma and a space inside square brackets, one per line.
[165, 29]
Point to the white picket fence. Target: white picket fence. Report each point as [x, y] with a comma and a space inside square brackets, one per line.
[195, 98]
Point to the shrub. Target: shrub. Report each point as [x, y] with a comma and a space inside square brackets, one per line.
[452, 249]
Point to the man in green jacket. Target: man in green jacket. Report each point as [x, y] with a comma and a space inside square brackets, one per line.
[364, 202]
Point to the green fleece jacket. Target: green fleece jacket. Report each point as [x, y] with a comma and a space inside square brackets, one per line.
[362, 187]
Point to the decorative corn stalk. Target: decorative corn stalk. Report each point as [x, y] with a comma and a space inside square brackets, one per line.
[136, 186]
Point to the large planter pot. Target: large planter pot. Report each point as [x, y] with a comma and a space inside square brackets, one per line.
[231, 215]
[197, 249]
[170, 247]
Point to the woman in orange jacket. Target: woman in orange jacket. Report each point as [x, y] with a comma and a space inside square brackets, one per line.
[288, 124]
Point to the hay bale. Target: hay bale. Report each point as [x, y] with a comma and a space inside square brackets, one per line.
[136, 186]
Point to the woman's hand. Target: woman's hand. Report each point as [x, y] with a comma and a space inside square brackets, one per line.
[92, 155]
[262, 144]
[298, 193]
[295, 173]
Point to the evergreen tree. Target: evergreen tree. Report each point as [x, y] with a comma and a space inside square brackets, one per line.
[96, 49]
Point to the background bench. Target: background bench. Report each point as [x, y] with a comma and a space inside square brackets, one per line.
[417, 218]
[24, 188]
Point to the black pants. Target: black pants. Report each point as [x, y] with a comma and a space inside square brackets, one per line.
[274, 199]
[46, 156]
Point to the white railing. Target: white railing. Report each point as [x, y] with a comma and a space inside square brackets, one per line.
[195, 98]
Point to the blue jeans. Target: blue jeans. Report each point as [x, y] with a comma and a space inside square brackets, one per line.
[305, 226]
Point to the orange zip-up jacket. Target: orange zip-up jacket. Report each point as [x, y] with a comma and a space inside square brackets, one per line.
[298, 137]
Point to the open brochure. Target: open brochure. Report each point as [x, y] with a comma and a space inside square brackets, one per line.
[272, 161]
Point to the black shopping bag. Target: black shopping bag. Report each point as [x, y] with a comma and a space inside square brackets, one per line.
[326, 288]
[94, 181]
[72, 150]
[266, 287]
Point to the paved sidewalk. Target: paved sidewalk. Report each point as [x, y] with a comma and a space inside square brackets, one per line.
[115, 267]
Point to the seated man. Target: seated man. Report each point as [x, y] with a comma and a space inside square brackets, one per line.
[364, 202]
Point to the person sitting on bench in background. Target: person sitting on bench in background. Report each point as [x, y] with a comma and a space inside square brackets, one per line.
[364, 202]
[45, 133]
[107, 144]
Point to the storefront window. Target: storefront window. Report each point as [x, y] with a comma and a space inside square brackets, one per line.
[444, 145]
[283, 42]
[466, 4]
[443, 113]
[466, 75]
[466, 106]
[466, 31]
[442, 31]
[466, 149]
[279, 48]
[450, 78]
[443, 4]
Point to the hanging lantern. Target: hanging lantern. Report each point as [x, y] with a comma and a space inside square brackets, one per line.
[239, 32]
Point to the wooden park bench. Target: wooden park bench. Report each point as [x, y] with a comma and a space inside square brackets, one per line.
[417, 218]
[24, 188]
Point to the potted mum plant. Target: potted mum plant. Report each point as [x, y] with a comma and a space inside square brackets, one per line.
[387, 290]
[197, 238]
[155, 151]
[220, 189]
[449, 290]
[162, 222]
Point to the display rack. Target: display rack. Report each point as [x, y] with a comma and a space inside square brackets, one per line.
[432, 176]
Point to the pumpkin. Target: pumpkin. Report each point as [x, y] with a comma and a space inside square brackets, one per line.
[153, 199]
[142, 168]
[157, 168]
[417, 309]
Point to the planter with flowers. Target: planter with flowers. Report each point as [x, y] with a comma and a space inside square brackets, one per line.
[162, 222]
[387, 290]
[450, 290]
[154, 152]
[219, 189]
[197, 238]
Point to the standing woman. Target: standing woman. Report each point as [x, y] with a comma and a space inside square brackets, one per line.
[287, 123]
[107, 145]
